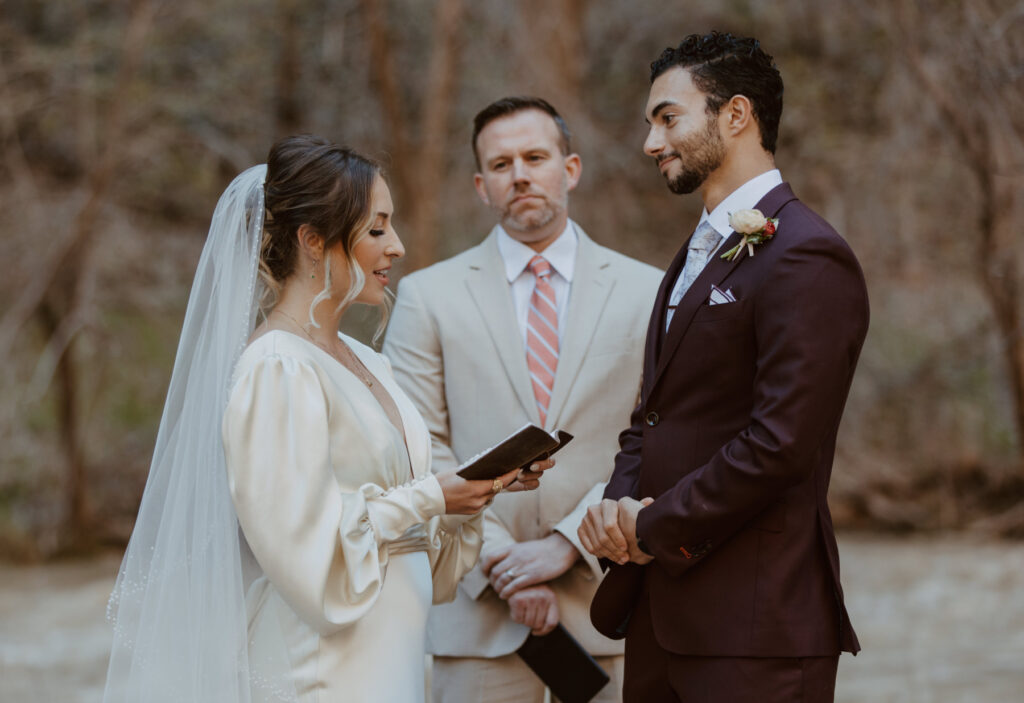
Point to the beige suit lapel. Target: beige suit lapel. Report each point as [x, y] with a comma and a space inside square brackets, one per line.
[489, 290]
[588, 296]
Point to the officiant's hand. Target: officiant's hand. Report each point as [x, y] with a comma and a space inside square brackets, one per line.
[535, 607]
[528, 563]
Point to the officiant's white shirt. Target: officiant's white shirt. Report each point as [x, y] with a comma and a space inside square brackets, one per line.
[561, 254]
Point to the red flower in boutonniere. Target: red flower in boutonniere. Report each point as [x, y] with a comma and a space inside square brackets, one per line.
[755, 228]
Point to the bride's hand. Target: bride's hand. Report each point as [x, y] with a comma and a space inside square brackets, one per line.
[462, 497]
[529, 479]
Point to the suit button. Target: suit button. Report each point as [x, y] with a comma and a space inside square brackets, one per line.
[652, 418]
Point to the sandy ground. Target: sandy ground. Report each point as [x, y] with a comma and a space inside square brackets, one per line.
[941, 620]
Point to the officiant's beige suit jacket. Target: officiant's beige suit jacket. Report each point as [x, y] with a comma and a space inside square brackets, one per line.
[458, 352]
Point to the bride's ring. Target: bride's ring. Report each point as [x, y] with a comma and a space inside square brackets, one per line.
[496, 486]
[510, 572]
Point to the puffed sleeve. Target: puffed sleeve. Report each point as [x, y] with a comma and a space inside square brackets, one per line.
[455, 542]
[321, 547]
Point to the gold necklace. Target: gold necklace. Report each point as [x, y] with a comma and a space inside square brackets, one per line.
[354, 365]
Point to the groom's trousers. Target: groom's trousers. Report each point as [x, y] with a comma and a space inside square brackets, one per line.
[655, 675]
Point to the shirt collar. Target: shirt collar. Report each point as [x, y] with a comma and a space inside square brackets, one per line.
[744, 197]
[561, 253]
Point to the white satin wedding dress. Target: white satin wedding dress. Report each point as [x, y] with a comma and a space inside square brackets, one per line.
[348, 545]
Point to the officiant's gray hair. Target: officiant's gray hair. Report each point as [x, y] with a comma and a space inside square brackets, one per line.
[518, 103]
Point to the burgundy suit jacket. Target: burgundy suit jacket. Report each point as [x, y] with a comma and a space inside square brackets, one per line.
[734, 437]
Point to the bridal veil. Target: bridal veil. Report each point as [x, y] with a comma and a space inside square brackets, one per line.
[178, 606]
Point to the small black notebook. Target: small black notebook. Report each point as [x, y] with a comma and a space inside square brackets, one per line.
[520, 449]
[564, 666]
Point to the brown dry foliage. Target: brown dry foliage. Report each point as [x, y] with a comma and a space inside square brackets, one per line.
[121, 122]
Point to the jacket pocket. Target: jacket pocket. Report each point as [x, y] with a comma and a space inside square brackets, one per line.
[716, 313]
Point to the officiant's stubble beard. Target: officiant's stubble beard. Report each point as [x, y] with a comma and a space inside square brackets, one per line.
[700, 154]
[527, 225]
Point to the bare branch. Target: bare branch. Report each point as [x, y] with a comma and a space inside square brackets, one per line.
[433, 142]
[382, 68]
[41, 280]
[971, 138]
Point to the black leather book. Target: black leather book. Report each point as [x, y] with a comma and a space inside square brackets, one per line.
[564, 666]
[521, 448]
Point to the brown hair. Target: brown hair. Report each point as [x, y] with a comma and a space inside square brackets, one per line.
[311, 181]
[511, 105]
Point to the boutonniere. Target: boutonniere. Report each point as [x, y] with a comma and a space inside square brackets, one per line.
[755, 228]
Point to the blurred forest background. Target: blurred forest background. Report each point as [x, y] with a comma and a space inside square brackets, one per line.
[122, 121]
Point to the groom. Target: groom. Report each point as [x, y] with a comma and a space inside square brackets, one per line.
[724, 573]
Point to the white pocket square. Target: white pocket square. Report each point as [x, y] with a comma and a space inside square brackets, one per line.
[720, 297]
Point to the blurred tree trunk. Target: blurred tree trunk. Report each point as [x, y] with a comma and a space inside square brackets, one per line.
[552, 48]
[57, 294]
[68, 416]
[421, 155]
[974, 79]
[287, 103]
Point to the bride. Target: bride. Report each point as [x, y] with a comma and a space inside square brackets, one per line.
[291, 536]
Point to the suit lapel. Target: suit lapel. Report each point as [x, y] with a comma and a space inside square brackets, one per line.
[489, 290]
[715, 272]
[656, 327]
[589, 293]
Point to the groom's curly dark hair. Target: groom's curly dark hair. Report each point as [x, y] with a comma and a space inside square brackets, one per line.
[723, 65]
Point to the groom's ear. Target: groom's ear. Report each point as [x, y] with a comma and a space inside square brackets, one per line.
[481, 190]
[737, 115]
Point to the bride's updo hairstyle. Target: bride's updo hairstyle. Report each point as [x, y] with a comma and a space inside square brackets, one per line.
[311, 181]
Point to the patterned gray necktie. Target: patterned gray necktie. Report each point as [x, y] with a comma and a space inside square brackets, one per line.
[702, 243]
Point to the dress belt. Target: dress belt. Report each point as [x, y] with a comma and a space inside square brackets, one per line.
[414, 540]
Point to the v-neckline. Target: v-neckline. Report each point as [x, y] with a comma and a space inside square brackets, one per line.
[381, 384]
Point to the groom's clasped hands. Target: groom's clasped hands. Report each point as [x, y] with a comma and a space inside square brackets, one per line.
[609, 530]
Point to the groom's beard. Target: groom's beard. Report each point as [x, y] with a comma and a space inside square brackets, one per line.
[704, 154]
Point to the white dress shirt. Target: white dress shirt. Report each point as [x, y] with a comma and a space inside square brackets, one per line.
[561, 254]
[743, 198]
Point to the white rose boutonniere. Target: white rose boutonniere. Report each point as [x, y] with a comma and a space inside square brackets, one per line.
[755, 228]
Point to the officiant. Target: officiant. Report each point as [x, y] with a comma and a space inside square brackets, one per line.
[537, 323]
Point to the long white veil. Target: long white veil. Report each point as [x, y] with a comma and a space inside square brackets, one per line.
[178, 606]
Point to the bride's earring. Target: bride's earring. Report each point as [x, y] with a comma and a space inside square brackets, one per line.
[316, 262]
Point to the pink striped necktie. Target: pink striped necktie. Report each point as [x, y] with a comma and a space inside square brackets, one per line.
[542, 336]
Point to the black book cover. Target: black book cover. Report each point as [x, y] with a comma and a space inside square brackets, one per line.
[564, 666]
[523, 447]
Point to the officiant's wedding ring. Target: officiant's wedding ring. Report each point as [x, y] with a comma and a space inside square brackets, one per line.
[496, 486]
